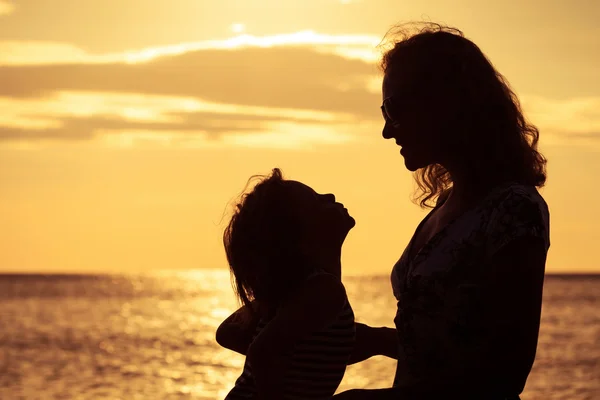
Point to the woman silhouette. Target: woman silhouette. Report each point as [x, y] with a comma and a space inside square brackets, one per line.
[469, 283]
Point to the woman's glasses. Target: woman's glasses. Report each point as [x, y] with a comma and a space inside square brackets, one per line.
[387, 111]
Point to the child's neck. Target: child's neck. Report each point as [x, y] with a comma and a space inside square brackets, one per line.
[331, 263]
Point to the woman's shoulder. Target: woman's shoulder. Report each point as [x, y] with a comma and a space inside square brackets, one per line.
[517, 210]
[520, 189]
[513, 197]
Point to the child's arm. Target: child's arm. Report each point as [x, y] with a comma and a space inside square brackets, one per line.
[311, 308]
[235, 333]
[372, 341]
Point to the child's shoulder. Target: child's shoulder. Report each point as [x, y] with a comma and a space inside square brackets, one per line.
[324, 286]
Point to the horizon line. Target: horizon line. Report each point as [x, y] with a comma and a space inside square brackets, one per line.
[67, 273]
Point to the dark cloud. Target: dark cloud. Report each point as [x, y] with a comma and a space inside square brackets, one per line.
[283, 77]
[60, 133]
[294, 77]
[78, 128]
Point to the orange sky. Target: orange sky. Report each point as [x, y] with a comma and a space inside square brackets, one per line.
[126, 129]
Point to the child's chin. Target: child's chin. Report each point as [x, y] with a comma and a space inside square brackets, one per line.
[349, 223]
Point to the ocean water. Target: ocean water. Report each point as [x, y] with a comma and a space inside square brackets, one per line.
[152, 337]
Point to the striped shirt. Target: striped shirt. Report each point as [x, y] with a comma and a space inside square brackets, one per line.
[318, 362]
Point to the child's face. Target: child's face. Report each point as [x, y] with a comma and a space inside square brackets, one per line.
[326, 221]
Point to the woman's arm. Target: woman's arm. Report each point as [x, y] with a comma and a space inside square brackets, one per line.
[311, 308]
[442, 391]
[372, 341]
[515, 289]
[371, 394]
[235, 333]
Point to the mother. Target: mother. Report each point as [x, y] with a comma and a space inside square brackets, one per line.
[469, 283]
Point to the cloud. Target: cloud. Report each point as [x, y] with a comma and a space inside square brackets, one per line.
[271, 134]
[576, 115]
[125, 119]
[362, 47]
[240, 91]
[249, 90]
[287, 136]
[6, 8]
[571, 121]
[269, 77]
[31, 52]
[141, 107]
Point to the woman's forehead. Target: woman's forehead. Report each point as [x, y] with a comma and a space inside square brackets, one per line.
[389, 85]
[398, 78]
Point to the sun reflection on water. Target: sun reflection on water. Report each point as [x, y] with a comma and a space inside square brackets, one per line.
[153, 336]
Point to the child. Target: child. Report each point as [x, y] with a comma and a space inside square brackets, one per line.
[296, 327]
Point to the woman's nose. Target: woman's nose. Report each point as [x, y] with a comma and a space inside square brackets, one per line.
[388, 131]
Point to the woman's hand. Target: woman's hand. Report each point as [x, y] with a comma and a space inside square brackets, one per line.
[372, 341]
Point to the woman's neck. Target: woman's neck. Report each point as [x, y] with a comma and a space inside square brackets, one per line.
[468, 187]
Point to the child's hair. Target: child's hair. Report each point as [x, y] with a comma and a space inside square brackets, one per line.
[262, 243]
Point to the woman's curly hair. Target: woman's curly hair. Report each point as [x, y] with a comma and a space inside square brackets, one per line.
[483, 112]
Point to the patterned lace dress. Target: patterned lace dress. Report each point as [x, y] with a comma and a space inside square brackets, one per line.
[441, 291]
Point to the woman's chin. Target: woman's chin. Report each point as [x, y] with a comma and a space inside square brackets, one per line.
[412, 164]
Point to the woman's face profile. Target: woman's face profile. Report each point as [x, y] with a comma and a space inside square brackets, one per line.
[410, 121]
